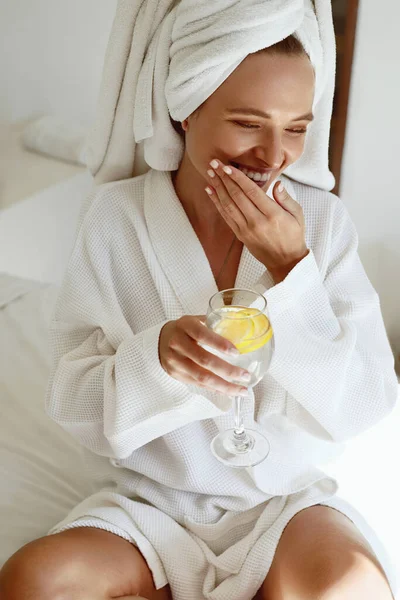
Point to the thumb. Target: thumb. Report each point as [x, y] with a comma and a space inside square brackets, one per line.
[284, 200]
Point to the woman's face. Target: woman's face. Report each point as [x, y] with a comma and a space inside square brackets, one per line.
[257, 119]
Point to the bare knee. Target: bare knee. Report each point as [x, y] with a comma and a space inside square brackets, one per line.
[345, 576]
[73, 566]
[360, 578]
[34, 571]
[329, 577]
[344, 569]
[322, 555]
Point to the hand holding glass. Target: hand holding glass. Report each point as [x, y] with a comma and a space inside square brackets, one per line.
[241, 317]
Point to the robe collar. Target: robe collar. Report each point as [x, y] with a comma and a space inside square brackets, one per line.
[179, 251]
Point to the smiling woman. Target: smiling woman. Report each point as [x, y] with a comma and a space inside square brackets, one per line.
[259, 126]
[255, 121]
[268, 133]
[246, 188]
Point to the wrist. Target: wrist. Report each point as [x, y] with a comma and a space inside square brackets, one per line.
[280, 273]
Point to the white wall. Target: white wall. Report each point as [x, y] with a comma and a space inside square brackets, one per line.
[51, 57]
[370, 184]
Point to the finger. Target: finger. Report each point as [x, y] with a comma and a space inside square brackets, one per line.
[224, 214]
[284, 200]
[232, 190]
[261, 202]
[187, 371]
[202, 335]
[201, 318]
[188, 348]
[226, 205]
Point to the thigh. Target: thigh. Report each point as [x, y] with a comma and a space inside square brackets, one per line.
[81, 563]
[319, 547]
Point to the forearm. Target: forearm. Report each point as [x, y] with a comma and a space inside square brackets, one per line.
[338, 367]
[115, 402]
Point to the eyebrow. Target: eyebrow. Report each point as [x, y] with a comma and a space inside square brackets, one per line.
[259, 113]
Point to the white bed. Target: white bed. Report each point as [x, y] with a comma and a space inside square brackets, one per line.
[42, 475]
[40, 466]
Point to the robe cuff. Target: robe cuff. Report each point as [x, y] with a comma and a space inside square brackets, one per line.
[301, 279]
[151, 357]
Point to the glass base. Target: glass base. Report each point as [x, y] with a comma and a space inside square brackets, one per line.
[246, 450]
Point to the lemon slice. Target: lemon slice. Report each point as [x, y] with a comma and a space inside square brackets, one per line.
[246, 334]
[234, 328]
[262, 331]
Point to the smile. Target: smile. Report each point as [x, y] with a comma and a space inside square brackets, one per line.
[259, 177]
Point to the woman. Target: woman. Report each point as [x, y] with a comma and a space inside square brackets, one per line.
[133, 385]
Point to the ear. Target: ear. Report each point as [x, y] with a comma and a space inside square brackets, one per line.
[185, 124]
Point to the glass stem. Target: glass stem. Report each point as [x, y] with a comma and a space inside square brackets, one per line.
[239, 428]
[242, 441]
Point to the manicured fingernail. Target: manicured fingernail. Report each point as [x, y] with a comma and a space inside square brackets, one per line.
[280, 187]
[209, 190]
[233, 352]
[227, 170]
[211, 173]
[244, 392]
[214, 164]
[246, 378]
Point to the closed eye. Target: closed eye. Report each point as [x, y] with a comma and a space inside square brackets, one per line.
[298, 131]
[247, 125]
[257, 126]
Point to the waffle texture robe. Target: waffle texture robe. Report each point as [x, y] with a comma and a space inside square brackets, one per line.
[208, 530]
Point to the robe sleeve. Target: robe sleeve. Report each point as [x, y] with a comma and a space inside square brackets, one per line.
[107, 387]
[332, 354]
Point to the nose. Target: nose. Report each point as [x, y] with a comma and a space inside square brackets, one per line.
[270, 151]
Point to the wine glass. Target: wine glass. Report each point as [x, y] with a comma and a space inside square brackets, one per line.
[240, 315]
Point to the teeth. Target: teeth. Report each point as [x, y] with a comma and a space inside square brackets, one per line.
[254, 175]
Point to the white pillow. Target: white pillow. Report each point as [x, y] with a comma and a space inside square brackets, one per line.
[37, 233]
[56, 137]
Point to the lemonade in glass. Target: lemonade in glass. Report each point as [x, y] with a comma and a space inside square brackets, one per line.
[240, 316]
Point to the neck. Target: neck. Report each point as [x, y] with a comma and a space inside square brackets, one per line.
[200, 209]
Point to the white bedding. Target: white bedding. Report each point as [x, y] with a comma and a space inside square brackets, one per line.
[41, 473]
[37, 233]
[41, 469]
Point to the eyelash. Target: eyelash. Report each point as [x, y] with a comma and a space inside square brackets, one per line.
[250, 126]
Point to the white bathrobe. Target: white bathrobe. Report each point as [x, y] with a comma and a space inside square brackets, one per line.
[208, 530]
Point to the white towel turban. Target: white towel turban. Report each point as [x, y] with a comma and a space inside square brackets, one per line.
[166, 57]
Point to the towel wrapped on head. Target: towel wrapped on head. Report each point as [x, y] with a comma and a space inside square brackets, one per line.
[166, 57]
